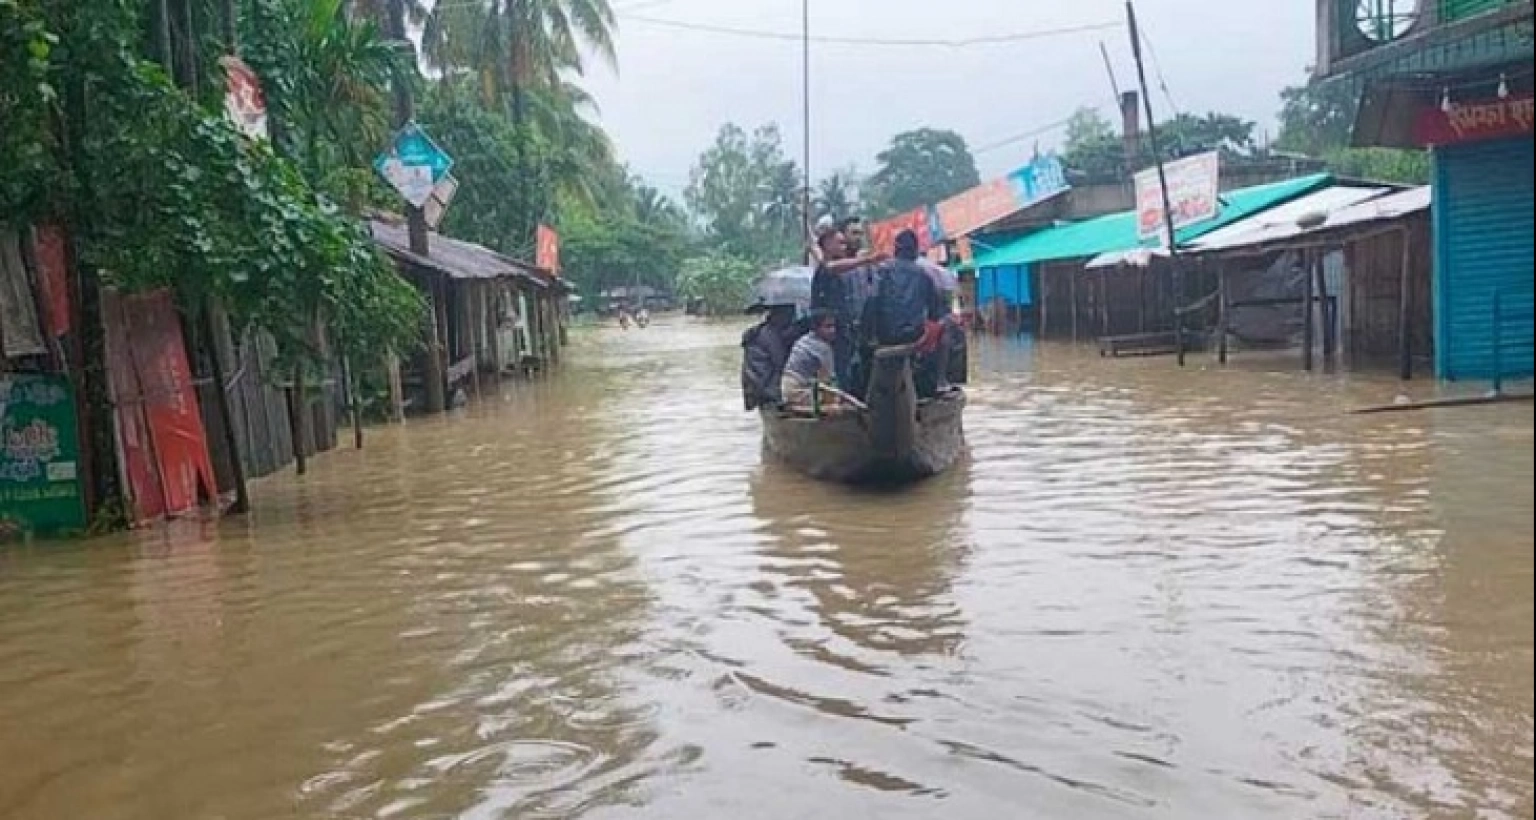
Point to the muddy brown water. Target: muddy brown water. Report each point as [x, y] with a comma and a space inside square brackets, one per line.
[1147, 594]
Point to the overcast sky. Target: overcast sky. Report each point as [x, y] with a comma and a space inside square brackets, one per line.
[674, 87]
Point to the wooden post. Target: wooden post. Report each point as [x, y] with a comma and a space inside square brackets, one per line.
[1141, 300]
[1104, 302]
[354, 412]
[1072, 292]
[432, 370]
[296, 425]
[1326, 309]
[1223, 319]
[396, 388]
[1405, 311]
[226, 418]
[1045, 300]
[1019, 273]
[1307, 297]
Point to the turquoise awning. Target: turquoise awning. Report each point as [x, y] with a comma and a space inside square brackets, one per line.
[1117, 232]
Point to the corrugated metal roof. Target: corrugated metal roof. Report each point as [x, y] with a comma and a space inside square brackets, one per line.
[1117, 232]
[1280, 223]
[451, 257]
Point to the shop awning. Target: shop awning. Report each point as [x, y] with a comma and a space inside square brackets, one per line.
[1117, 232]
[1342, 208]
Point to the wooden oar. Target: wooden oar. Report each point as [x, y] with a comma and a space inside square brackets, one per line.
[845, 397]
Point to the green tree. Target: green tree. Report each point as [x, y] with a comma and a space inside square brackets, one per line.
[1316, 119]
[1092, 147]
[1188, 134]
[520, 56]
[837, 196]
[746, 193]
[721, 281]
[919, 168]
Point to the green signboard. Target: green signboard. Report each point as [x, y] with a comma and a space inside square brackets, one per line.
[39, 457]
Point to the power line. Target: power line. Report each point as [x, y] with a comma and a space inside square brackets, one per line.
[1016, 138]
[1157, 69]
[762, 34]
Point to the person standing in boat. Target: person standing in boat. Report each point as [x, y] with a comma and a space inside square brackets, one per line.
[811, 362]
[908, 309]
[832, 290]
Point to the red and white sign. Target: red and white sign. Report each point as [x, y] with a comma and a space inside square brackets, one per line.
[1192, 193]
[244, 103]
[1474, 121]
[547, 251]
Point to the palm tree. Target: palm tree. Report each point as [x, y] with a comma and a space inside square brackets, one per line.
[524, 52]
[836, 196]
[652, 207]
[517, 45]
[341, 90]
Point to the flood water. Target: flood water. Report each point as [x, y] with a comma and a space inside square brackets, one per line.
[1147, 594]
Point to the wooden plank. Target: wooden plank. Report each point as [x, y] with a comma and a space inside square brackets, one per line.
[461, 369]
[1454, 401]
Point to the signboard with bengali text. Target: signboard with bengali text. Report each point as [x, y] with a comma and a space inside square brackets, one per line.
[1475, 121]
[40, 487]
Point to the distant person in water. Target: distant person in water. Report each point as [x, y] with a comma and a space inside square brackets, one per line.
[811, 361]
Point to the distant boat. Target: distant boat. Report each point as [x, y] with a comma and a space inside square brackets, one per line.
[891, 437]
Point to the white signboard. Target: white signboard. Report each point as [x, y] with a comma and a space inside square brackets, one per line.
[1192, 193]
[437, 204]
[414, 182]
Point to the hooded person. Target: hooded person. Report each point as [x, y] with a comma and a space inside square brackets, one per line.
[764, 349]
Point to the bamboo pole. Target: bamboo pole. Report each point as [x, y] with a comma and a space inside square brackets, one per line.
[1405, 311]
[1306, 311]
[1162, 182]
[1224, 316]
[1072, 292]
[1326, 309]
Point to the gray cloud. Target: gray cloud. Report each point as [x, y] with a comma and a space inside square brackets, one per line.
[674, 88]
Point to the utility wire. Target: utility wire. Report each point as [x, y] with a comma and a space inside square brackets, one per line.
[1157, 70]
[762, 34]
[1016, 138]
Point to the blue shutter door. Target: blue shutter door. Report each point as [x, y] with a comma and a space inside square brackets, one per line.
[1483, 218]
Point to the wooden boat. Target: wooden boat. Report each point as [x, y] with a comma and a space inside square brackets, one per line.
[892, 438]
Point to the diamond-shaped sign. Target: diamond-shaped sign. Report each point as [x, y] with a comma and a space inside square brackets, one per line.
[413, 164]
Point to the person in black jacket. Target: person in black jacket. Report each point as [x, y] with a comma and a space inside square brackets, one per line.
[764, 349]
[906, 299]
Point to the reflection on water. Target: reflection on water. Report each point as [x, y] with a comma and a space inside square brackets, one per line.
[1147, 593]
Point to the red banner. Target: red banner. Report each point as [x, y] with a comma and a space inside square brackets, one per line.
[52, 273]
[882, 235]
[547, 253]
[160, 431]
[1474, 121]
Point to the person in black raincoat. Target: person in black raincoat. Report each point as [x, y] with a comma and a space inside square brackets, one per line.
[764, 349]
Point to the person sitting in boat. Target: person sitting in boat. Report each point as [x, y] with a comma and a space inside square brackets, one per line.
[765, 348]
[833, 290]
[811, 362]
[908, 309]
